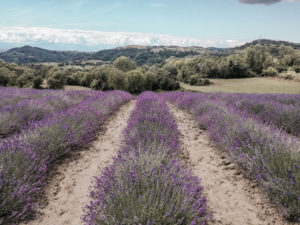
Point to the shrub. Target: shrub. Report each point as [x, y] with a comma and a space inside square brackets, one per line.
[124, 63]
[56, 79]
[3, 76]
[197, 80]
[26, 79]
[37, 82]
[136, 81]
[270, 72]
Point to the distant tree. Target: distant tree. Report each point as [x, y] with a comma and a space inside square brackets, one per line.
[136, 81]
[75, 78]
[96, 85]
[165, 82]
[151, 82]
[56, 79]
[116, 79]
[4, 76]
[197, 80]
[26, 79]
[87, 79]
[269, 72]
[37, 82]
[100, 81]
[124, 63]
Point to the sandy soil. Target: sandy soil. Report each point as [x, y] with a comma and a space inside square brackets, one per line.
[68, 190]
[232, 198]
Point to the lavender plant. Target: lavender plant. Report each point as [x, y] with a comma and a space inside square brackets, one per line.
[268, 155]
[146, 184]
[283, 111]
[16, 114]
[26, 158]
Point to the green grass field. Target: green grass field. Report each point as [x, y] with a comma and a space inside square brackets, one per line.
[248, 85]
[76, 88]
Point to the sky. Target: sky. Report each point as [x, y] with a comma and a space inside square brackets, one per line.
[91, 25]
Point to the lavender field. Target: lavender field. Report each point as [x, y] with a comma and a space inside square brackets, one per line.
[253, 131]
[25, 158]
[150, 177]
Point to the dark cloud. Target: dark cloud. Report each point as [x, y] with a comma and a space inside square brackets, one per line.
[267, 2]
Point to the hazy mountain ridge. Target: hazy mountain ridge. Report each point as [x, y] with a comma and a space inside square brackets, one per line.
[141, 54]
[268, 42]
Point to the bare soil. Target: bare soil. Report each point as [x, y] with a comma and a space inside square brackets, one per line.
[68, 190]
[232, 198]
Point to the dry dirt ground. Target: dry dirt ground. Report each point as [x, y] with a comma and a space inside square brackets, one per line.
[68, 190]
[232, 198]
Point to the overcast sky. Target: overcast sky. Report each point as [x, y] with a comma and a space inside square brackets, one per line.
[98, 24]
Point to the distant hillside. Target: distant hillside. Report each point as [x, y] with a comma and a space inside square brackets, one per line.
[143, 55]
[28, 54]
[267, 42]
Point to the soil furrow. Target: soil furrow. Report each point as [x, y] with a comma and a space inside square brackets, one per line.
[232, 198]
[68, 190]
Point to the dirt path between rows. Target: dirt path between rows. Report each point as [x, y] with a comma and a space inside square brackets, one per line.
[232, 198]
[68, 191]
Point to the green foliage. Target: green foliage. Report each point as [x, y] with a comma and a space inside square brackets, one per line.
[136, 81]
[75, 78]
[37, 82]
[151, 82]
[26, 79]
[124, 63]
[297, 69]
[255, 60]
[100, 78]
[116, 79]
[270, 72]
[56, 79]
[197, 80]
[165, 82]
[4, 76]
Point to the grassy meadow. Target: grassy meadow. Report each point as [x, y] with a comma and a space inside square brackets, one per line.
[260, 85]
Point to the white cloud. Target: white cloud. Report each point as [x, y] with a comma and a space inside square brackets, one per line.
[31, 35]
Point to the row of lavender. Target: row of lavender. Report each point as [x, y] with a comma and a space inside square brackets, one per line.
[267, 155]
[279, 110]
[25, 159]
[20, 107]
[146, 184]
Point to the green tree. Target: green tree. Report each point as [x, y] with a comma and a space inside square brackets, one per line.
[270, 72]
[124, 63]
[151, 82]
[116, 79]
[56, 79]
[136, 81]
[4, 76]
[37, 82]
[26, 79]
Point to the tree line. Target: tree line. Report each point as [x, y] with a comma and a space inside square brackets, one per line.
[125, 74]
[122, 74]
[253, 61]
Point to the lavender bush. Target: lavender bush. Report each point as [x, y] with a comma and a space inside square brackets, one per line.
[26, 158]
[283, 111]
[146, 184]
[266, 154]
[18, 110]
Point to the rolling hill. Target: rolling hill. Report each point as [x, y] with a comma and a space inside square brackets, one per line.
[143, 55]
